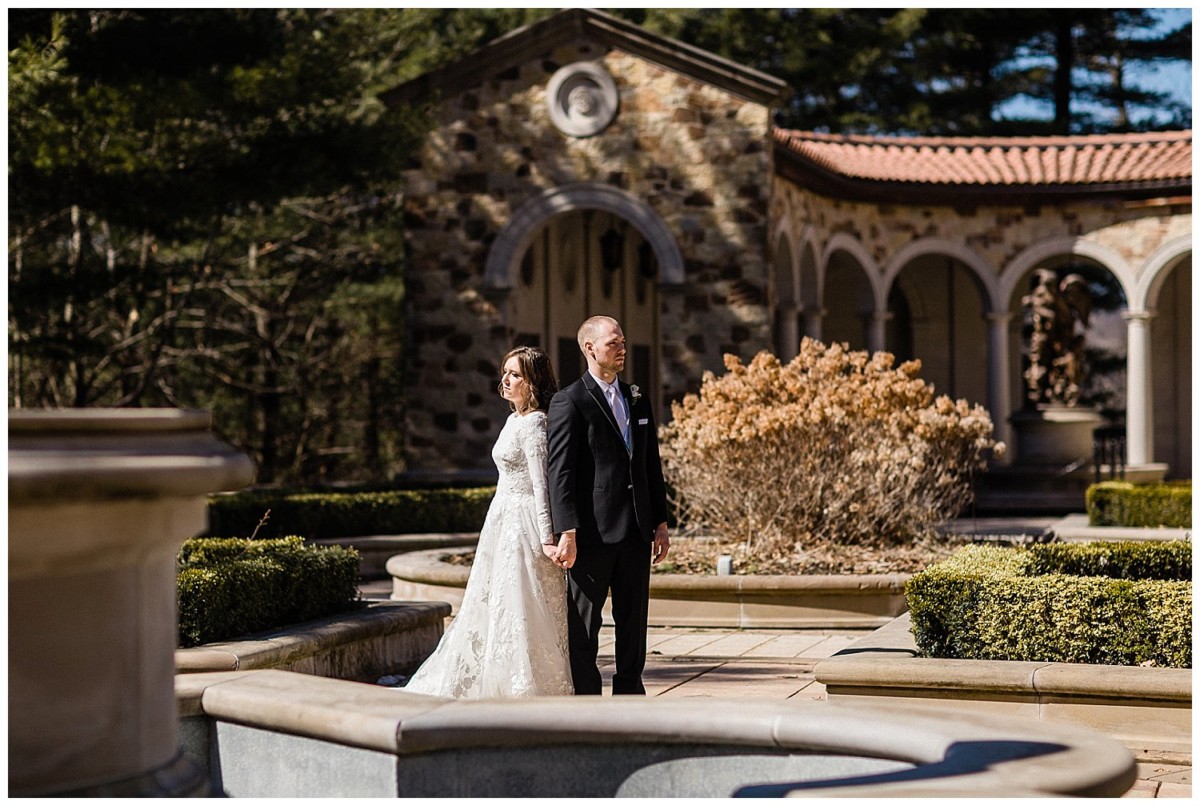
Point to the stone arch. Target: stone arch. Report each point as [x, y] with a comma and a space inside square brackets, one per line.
[807, 273]
[1039, 252]
[514, 237]
[784, 264]
[984, 274]
[852, 246]
[1092, 259]
[784, 292]
[1160, 376]
[919, 305]
[940, 294]
[850, 294]
[1145, 292]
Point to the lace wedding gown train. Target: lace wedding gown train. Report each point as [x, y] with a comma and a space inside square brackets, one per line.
[509, 638]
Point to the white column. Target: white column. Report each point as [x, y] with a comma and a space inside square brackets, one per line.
[877, 332]
[788, 327]
[1139, 390]
[812, 322]
[999, 393]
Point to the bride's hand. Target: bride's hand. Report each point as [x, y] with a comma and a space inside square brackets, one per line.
[551, 551]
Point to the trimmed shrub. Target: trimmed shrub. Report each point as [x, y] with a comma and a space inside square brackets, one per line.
[995, 603]
[231, 587]
[325, 515]
[835, 446]
[1123, 503]
[1170, 560]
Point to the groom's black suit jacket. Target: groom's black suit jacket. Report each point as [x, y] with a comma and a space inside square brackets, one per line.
[597, 487]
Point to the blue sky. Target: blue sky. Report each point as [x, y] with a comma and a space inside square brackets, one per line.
[1173, 78]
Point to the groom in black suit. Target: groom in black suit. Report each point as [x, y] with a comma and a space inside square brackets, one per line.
[608, 501]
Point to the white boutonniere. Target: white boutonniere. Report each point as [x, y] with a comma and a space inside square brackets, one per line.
[635, 394]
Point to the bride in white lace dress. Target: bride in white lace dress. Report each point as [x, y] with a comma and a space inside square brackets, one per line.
[509, 638]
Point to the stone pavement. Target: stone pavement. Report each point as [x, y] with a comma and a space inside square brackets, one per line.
[778, 664]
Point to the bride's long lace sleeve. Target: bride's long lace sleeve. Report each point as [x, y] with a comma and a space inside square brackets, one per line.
[533, 444]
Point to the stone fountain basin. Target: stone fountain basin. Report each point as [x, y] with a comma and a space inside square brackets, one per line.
[282, 734]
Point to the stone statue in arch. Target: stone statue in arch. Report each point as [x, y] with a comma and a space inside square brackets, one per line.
[1058, 312]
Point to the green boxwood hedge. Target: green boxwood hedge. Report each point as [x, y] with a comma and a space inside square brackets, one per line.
[1126, 604]
[231, 587]
[1123, 503]
[317, 515]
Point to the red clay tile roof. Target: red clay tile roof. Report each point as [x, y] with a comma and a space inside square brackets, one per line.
[1109, 159]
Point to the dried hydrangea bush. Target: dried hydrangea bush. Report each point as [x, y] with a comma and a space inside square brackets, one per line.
[835, 448]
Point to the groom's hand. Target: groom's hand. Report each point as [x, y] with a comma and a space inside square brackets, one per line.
[566, 549]
[662, 544]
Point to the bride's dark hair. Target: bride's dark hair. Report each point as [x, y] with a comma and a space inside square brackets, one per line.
[538, 374]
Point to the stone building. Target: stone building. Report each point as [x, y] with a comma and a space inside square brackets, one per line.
[582, 165]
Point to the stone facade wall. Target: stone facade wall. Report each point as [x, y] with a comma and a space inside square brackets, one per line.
[695, 154]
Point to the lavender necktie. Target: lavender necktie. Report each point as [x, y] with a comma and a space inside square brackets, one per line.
[619, 412]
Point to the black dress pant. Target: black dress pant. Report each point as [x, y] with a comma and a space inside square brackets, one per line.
[623, 568]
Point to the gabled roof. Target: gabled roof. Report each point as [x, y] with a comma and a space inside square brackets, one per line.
[906, 168]
[575, 25]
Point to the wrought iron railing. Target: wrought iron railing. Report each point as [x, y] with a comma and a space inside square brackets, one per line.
[1108, 452]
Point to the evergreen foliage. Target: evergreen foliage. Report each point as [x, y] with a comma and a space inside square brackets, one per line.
[1057, 603]
[319, 515]
[213, 221]
[1123, 503]
[946, 71]
[229, 588]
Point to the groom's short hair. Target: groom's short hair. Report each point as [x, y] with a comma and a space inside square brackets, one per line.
[587, 331]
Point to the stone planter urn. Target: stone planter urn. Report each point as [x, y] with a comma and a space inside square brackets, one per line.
[100, 501]
[1055, 438]
[1053, 464]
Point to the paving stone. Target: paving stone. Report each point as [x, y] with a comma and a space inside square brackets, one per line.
[659, 675]
[1142, 789]
[687, 644]
[729, 645]
[1172, 790]
[814, 690]
[1160, 772]
[785, 646]
[664, 677]
[752, 681]
[830, 646]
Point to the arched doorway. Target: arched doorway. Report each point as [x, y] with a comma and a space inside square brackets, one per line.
[579, 250]
[585, 263]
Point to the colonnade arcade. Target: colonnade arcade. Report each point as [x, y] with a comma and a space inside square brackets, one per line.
[940, 301]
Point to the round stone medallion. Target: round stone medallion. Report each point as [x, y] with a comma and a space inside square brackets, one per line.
[582, 98]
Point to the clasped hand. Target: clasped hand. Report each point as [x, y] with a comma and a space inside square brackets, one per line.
[563, 554]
